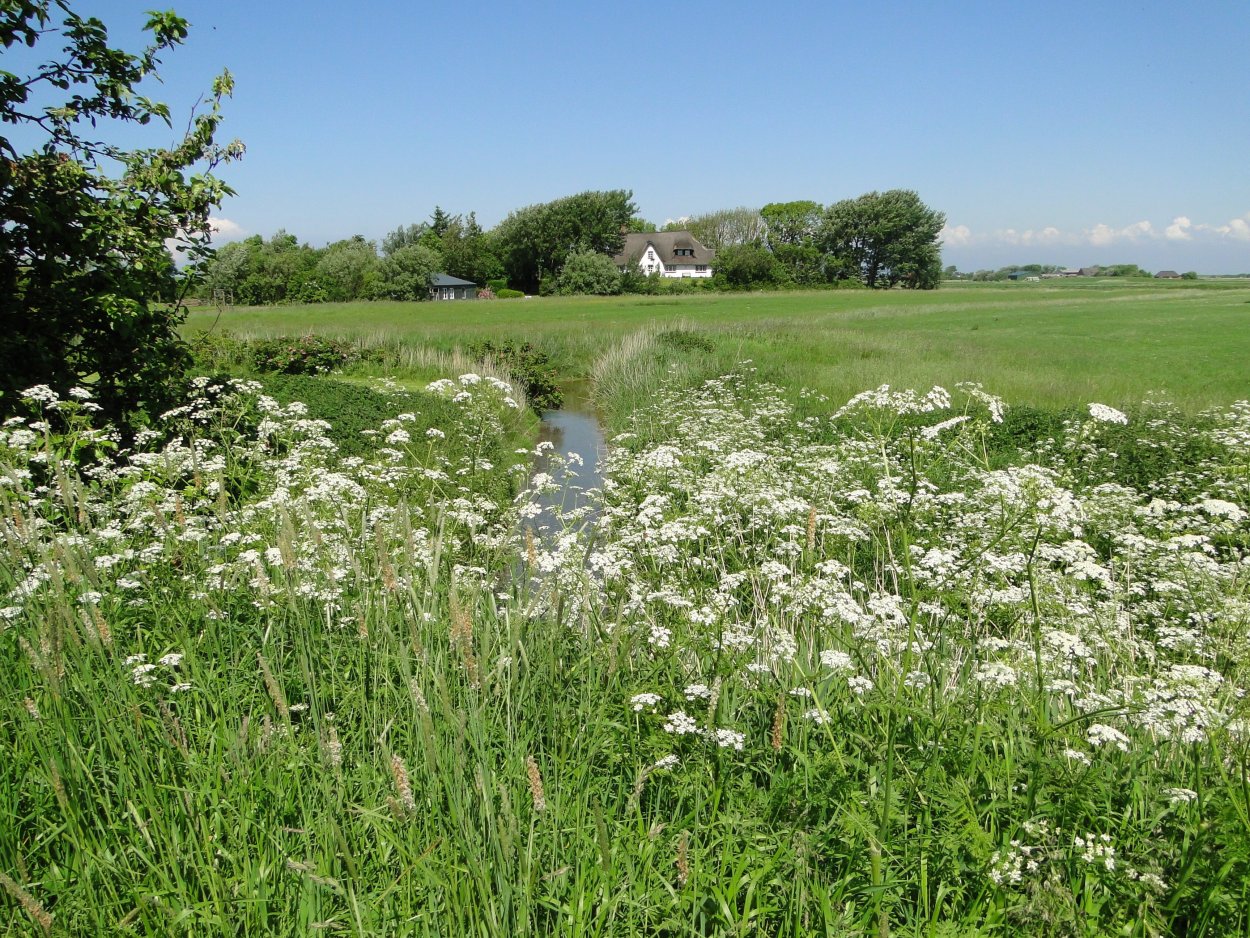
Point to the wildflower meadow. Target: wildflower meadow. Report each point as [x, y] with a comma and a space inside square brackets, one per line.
[894, 665]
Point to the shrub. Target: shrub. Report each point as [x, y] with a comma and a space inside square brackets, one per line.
[526, 364]
[310, 355]
[686, 340]
[506, 294]
[588, 272]
[497, 285]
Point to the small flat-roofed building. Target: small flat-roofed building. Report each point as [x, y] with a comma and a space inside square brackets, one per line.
[444, 287]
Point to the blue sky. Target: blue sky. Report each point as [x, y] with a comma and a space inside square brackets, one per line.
[1068, 133]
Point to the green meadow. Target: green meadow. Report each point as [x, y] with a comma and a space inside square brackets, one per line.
[318, 655]
[1050, 344]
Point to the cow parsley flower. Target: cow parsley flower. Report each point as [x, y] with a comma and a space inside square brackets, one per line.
[1100, 734]
[1104, 414]
[680, 723]
[639, 701]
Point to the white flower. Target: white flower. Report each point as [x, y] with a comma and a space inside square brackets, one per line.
[697, 691]
[638, 701]
[860, 684]
[1180, 795]
[837, 660]
[172, 660]
[931, 433]
[680, 723]
[1104, 414]
[667, 762]
[1100, 734]
[728, 739]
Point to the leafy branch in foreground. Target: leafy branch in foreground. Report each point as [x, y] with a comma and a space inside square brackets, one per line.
[89, 292]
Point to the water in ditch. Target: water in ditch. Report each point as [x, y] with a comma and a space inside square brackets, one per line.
[576, 446]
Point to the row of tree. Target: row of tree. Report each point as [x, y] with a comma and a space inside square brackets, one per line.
[1039, 270]
[881, 239]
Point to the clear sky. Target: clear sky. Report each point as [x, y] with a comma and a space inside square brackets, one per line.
[1063, 132]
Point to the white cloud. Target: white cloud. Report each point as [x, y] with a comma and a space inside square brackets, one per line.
[956, 236]
[1102, 235]
[1179, 229]
[1238, 229]
[226, 230]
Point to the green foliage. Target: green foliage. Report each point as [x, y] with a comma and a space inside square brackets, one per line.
[403, 236]
[886, 238]
[406, 274]
[468, 252]
[590, 273]
[347, 269]
[83, 258]
[748, 266]
[506, 294]
[533, 242]
[353, 411]
[793, 223]
[725, 227]
[496, 284]
[529, 366]
[255, 272]
[308, 355]
[1189, 275]
[686, 340]
[1123, 270]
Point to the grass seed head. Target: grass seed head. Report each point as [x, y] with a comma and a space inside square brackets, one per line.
[536, 785]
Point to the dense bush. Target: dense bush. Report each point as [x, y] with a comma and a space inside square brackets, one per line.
[506, 294]
[587, 272]
[529, 366]
[309, 355]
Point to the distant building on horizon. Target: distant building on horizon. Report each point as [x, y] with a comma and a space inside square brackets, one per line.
[1167, 275]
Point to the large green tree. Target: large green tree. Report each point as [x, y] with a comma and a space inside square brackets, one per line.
[406, 274]
[885, 238]
[533, 242]
[791, 222]
[84, 224]
[347, 268]
[723, 227]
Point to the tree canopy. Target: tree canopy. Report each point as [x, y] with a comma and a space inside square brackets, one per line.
[86, 276]
[534, 242]
[886, 238]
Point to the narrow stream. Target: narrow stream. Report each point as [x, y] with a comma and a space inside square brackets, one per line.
[573, 431]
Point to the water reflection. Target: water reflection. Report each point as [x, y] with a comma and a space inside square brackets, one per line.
[575, 435]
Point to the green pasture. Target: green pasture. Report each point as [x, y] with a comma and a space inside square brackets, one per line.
[1049, 344]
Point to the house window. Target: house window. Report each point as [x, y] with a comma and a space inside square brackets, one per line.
[700, 268]
[650, 268]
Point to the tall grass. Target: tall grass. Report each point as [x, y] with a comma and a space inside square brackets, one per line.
[875, 671]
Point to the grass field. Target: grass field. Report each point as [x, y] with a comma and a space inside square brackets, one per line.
[1059, 343]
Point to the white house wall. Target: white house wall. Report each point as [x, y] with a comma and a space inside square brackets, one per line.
[672, 267]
